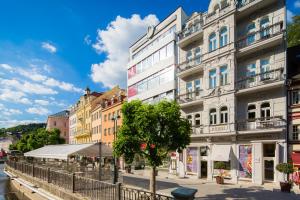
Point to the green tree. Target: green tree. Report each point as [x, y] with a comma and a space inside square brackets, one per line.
[151, 131]
[293, 32]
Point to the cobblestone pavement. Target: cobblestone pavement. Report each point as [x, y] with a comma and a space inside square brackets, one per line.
[211, 190]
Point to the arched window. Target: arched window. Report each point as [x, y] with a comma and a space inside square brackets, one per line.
[251, 112]
[264, 30]
[189, 117]
[197, 119]
[265, 111]
[223, 37]
[251, 33]
[224, 115]
[213, 116]
[212, 42]
[189, 55]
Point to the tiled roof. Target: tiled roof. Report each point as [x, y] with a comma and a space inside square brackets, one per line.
[64, 113]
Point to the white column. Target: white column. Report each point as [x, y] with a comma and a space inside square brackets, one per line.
[257, 166]
[234, 164]
[209, 163]
[198, 163]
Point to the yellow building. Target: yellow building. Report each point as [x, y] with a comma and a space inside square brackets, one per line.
[83, 114]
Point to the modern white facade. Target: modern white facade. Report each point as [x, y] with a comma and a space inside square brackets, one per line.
[72, 126]
[232, 65]
[153, 59]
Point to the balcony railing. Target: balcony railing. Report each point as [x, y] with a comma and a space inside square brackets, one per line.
[263, 34]
[189, 64]
[190, 96]
[241, 4]
[261, 124]
[261, 79]
[210, 15]
[83, 133]
[197, 130]
[190, 30]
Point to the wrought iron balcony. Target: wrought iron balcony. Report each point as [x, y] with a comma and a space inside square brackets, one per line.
[261, 124]
[263, 34]
[260, 79]
[190, 30]
[189, 97]
[189, 64]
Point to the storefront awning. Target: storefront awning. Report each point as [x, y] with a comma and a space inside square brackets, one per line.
[221, 153]
[63, 151]
[296, 147]
[296, 158]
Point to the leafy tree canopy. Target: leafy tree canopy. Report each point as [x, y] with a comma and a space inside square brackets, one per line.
[151, 131]
[36, 139]
[293, 32]
[22, 128]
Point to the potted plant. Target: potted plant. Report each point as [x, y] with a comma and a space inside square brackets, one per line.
[220, 166]
[285, 168]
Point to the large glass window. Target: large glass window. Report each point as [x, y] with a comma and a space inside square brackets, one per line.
[197, 119]
[264, 69]
[251, 71]
[296, 132]
[264, 23]
[212, 42]
[189, 89]
[265, 111]
[224, 115]
[197, 87]
[198, 55]
[295, 97]
[251, 33]
[223, 37]
[223, 75]
[189, 118]
[189, 55]
[251, 112]
[170, 50]
[212, 79]
[213, 116]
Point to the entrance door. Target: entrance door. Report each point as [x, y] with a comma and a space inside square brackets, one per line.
[203, 169]
[269, 169]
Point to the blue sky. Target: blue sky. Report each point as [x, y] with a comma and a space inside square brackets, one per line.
[51, 50]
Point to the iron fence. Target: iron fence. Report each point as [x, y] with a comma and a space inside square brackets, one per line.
[135, 194]
[261, 124]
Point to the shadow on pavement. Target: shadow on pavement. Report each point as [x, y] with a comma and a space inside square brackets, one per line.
[252, 193]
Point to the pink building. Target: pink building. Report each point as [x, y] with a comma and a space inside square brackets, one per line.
[60, 121]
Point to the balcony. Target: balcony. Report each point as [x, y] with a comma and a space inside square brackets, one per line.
[269, 124]
[197, 130]
[189, 67]
[190, 98]
[190, 34]
[217, 13]
[259, 82]
[83, 133]
[262, 39]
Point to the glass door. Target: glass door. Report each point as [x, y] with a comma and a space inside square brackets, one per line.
[269, 169]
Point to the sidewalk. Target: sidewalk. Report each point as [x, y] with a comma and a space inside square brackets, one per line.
[210, 190]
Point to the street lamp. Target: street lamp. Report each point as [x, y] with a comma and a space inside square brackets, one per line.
[115, 119]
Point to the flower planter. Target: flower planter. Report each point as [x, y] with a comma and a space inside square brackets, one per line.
[285, 187]
[220, 180]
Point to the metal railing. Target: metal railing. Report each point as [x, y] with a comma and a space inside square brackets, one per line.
[245, 3]
[190, 96]
[261, 124]
[88, 188]
[260, 79]
[190, 63]
[262, 34]
[197, 130]
[190, 30]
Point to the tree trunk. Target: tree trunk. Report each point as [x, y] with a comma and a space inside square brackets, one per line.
[153, 183]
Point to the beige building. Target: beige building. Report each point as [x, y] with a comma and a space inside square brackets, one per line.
[60, 121]
[231, 87]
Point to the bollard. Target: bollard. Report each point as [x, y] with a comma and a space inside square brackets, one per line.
[183, 193]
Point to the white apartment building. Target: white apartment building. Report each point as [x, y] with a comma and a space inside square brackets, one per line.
[231, 71]
[153, 59]
[72, 125]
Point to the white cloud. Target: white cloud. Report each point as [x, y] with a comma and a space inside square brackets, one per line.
[115, 41]
[6, 67]
[87, 40]
[297, 4]
[13, 96]
[38, 110]
[41, 102]
[9, 111]
[26, 87]
[62, 85]
[49, 47]
[290, 16]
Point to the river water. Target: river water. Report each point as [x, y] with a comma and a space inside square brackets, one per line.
[5, 192]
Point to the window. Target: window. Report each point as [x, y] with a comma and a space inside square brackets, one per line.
[251, 33]
[105, 131]
[198, 55]
[156, 57]
[189, 55]
[264, 69]
[197, 87]
[189, 117]
[189, 89]
[54, 123]
[203, 151]
[223, 76]
[264, 23]
[212, 79]
[223, 115]
[251, 112]
[251, 71]
[295, 132]
[163, 53]
[97, 129]
[197, 119]
[170, 50]
[265, 112]
[212, 42]
[213, 116]
[108, 131]
[109, 116]
[105, 118]
[295, 97]
[223, 37]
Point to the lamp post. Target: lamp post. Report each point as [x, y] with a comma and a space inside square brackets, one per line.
[115, 119]
[100, 161]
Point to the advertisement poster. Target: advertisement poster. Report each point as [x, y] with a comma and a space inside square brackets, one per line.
[245, 161]
[191, 160]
